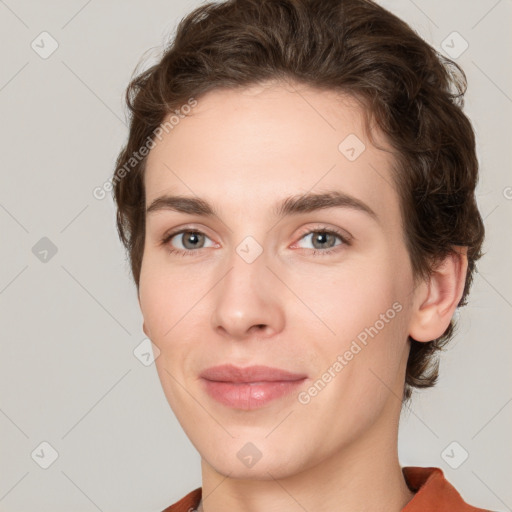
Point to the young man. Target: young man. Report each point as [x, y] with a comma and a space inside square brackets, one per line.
[297, 199]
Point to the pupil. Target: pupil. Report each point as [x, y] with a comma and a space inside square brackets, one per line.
[191, 238]
[321, 238]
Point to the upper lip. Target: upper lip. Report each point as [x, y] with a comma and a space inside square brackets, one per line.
[231, 373]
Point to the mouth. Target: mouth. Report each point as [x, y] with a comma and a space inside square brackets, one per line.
[251, 387]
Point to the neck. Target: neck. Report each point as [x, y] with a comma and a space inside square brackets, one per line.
[364, 475]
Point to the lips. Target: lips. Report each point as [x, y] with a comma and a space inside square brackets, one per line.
[230, 373]
[251, 387]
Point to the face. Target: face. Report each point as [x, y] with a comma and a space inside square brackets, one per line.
[320, 288]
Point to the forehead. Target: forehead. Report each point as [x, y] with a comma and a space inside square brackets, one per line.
[243, 150]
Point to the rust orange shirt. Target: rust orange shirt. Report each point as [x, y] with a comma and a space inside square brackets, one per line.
[433, 493]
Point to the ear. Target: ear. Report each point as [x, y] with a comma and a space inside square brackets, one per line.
[436, 300]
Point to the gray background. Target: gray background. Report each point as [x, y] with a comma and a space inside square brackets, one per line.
[70, 324]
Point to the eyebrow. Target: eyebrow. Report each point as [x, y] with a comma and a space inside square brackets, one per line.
[293, 205]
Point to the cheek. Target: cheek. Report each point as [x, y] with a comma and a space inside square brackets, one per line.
[166, 295]
[174, 308]
[346, 299]
[366, 317]
[166, 300]
[357, 373]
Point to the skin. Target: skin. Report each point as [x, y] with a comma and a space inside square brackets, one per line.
[244, 151]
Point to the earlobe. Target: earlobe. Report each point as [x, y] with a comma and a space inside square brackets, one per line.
[437, 300]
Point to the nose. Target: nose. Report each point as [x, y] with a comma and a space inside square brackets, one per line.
[248, 302]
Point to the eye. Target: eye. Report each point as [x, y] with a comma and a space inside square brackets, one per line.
[186, 241]
[323, 241]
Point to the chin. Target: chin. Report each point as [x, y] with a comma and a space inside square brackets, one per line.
[256, 457]
[268, 469]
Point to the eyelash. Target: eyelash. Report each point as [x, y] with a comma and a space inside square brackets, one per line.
[315, 252]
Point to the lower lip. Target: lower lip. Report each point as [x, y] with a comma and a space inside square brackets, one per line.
[250, 396]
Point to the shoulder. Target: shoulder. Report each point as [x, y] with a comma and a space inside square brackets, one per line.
[434, 492]
[188, 503]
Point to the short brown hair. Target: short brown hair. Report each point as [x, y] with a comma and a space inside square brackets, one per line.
[414, 94]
